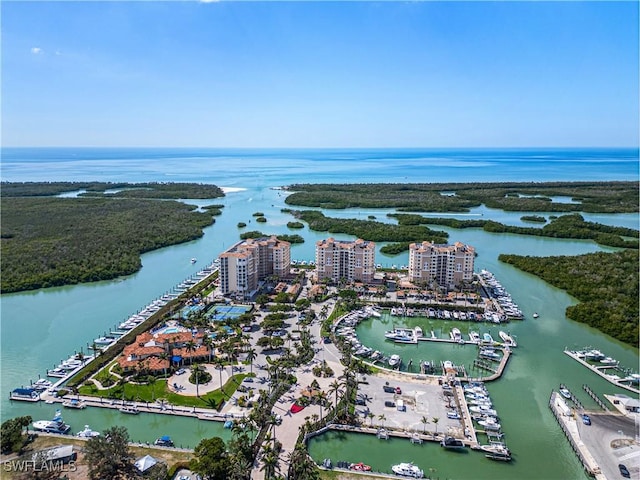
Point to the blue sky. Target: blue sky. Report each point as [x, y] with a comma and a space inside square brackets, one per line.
[326, 74]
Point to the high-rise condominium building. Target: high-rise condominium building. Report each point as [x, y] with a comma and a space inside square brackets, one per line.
[246, 263]
[448, 265]
[349, 260]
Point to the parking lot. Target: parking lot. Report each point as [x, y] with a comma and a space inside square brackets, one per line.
[423, 398]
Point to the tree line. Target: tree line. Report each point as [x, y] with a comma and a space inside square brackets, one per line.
[606, 284]
[593, 197]
[51, 241]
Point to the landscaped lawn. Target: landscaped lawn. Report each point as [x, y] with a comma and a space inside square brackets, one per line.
[158, 389]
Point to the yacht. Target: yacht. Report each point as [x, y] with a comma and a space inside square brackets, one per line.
[455, 334]
[400, 335]
[452, 443]
[52, 426]
[489, 353]
[164, 441]
[564, 391]
[88, 433]
[474, 337]
[57, 372]
[395, 360]
[490, 423]
[407, 470]
[507, 339]
[487, 338]
[496, 451]
[104, 340]
[41, 384]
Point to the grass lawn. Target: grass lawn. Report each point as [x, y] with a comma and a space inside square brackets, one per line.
[158, 389]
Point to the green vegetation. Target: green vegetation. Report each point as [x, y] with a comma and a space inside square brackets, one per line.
[158, 389]
[51, 241]
[241, 224]
[258, 214]
[594, 197]
[370, 230]
[533, 218]
[261, 220]
[606, 284]
[12, 438]
[284, 238]
[395, 248]
[120, 190]
[295, 225]
[109, 456]
[214, 210]
[565, 226]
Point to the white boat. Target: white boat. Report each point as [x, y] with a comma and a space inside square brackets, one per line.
[490, 424]
[407, 470]
[52, 426]
[483, 410]
[487, 338]
[535, 315]
[57, 372]
[507, 339]
[496, 451]
[104, 340]
[455, 334]
[474, 337]
[194, 260]
[489, 353]
[400, 335]
[88, 433]
[565, 392]
[609, 361]
[394, 360]
[41, 384]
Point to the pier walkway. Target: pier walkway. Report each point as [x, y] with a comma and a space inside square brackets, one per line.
[614, 379]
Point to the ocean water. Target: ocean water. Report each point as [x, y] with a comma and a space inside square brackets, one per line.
[40, 328]
[253, 168]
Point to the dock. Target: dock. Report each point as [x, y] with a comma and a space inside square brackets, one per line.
[567, 422]
[613, 379]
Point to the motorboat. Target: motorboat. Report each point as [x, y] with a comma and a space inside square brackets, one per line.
[400, 335]
[57, 372]
[455, 334]
[474, 337]
[41, 384]
[487, 338]
[164, 441]
[74, 403]
[194, 260]
[52, 426]
[407, 470]
[129, 409]
[535, 315]
[360, 467]
[482, 409]
[507, 339]
[489, 353]
[564, 391]
[104, 340]
[88, 433]
[395, 360]
[490, 424]
[452, 443]
[496, 451]
[594, 355]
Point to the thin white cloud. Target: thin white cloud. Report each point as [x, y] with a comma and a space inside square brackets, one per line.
[208, 1]
[36, 50]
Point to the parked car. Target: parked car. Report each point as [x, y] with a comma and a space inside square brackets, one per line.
[586, 419]
[388, 389]
[624, 471]
[181, 371]
[398, 390]
[389, 404]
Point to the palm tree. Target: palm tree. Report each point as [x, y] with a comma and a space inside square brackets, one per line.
[435, 420]
[208, 342]
[424, 421]
[190, 347]
[251, 356]
[270, 465]
[382, 418]
[334, 387]
[197, 370]
[219, 364]
[164, 356]
[322, 398]
[371, 417]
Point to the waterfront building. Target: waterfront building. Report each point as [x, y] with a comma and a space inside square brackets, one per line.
[250, 261]
[151, 351]
[348, 260]
[448, 265]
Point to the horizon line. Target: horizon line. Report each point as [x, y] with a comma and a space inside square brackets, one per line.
[326, 148]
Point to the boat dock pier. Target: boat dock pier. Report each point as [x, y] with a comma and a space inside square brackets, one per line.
[567, 422]
[595, 398]
[572, 397]
[614, 379]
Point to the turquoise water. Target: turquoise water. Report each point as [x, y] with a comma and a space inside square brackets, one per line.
[41, 328]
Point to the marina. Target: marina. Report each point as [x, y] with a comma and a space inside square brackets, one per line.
[627, 382]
